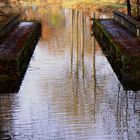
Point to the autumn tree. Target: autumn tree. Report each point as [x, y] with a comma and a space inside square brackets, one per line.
[5, 8]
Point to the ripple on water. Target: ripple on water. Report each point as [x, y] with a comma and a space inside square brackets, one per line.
[64, 96]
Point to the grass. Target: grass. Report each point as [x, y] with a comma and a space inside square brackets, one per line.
[70, 3]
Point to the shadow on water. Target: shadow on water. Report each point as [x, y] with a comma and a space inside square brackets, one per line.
[129, 81]
[10, 87]
[69, 91]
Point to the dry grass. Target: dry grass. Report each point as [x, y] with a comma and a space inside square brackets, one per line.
[93, 6]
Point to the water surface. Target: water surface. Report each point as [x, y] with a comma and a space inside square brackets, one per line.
[69, 91]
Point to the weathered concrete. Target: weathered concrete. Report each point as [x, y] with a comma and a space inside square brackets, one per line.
[7, 23]
[16, 50]
[122, 50]
[130, 23]
[17, 43]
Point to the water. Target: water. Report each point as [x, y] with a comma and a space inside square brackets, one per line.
[69, 91]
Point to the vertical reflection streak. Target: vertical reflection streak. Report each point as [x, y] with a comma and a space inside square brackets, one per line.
[94, 76]
[83, 43]
[127, 125]
[71, 42]
[77, 65]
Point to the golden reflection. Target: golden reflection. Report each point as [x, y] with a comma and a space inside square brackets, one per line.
[69, 90]
[42, 14]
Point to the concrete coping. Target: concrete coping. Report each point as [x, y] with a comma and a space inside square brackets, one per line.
[11, 18]
[129, 22]
[9, 24]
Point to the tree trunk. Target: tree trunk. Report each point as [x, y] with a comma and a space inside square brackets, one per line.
[138, 10]
[128, 8]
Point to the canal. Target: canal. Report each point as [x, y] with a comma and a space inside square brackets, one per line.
[69, 91]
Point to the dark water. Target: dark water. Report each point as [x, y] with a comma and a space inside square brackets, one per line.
[69, 91]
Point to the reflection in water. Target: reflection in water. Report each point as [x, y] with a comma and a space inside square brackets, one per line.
[69, 91]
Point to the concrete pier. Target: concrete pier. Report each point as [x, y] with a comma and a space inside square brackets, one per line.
[122, 49]
[18, 40]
